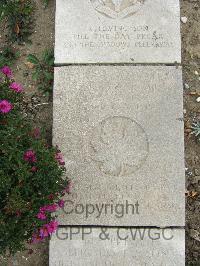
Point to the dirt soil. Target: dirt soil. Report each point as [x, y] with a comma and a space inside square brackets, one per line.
[38, 106]
[41, 109]
[191, 79]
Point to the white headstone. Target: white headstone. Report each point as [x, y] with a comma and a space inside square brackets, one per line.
[120, 129]
[117, 31]
[117, 246]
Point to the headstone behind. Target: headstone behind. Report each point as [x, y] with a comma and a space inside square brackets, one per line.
[117, 31]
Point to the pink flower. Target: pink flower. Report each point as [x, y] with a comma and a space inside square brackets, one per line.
[48, 229]
[18, 213]
[51, 197]
[43, 209]
[34, 169]
[61, 203]
[30, 156]
[52, 227]
[16, 87]
[6, 71]
[49, 208]
[36, 238]
[68, 188]
[59, 158]
[52, 207]
[5, 106]
[36, 133]
[41, 216]
[44, 231]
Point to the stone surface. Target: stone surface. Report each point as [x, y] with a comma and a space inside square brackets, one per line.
[90, 246]
[120, 129]
[117, 31]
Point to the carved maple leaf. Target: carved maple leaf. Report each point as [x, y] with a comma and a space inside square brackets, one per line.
[119, 146]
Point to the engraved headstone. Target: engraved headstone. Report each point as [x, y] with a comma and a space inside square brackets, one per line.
[117, 31]
[120, 129]
[117, 247]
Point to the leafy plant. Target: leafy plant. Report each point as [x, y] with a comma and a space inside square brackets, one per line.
[43, 71]
[7, 56]
[46, 2]
[196, 129]
[31, 174]
[19, 19]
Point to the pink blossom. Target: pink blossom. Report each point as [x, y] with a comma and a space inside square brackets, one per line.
[44, 231]
[52, 226]
[59, 158]
[68, 188]
[48, 229]
[36, 133]
[49, 208]
[51, 197]
[16, 87]
[34, 169]
[41, 216]
[18, 213]
[61, 203]
[30, 156]
[6, 71]
[52, 207]
[5, 106]
[43, 209]
[36, 238]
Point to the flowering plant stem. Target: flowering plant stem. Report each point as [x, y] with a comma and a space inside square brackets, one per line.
[32, 179]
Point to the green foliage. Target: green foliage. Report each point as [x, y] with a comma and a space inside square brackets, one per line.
[19, 19]
[43, 71]
[25, 186]
[46, 2]
[196, 129]
[7, 56]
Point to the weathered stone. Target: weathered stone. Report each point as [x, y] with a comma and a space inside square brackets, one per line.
[117, 247]
[120, 129]
[117, 31]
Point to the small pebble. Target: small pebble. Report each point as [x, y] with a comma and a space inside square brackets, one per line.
[184, 19]
[198, 99]
[186, 86]
[196, 73]
[184, 111]
[196, 172]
